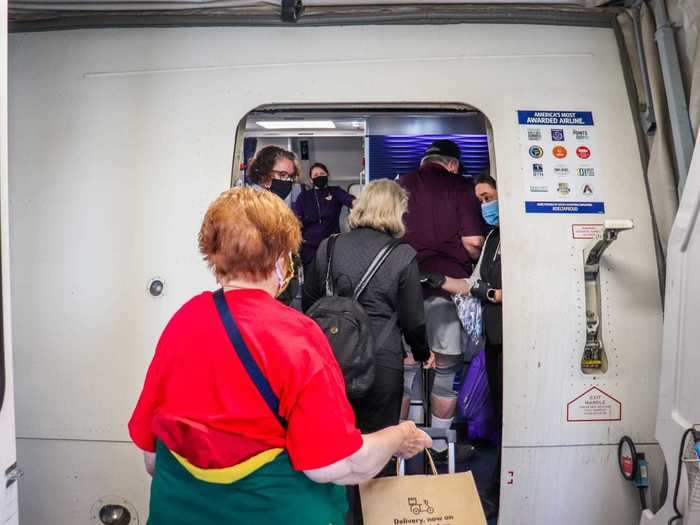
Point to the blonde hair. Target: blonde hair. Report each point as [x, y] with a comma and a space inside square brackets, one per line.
[380, 206]
[245, 231]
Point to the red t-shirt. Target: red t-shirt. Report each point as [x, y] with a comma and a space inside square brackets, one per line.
[199, 400]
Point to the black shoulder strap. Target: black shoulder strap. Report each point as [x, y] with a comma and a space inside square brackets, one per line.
[330, 247]
[374, 267]
[234, 335]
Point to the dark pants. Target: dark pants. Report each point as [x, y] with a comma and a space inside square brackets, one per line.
[379, 408]
[494, 373]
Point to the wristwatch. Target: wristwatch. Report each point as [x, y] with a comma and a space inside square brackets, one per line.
[491, 295]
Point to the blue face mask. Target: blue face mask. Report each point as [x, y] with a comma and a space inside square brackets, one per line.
[490, 212]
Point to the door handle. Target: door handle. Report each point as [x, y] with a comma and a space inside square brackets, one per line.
[12, 475]
[594, 359]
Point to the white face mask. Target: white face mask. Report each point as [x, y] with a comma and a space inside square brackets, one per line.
[280, 278]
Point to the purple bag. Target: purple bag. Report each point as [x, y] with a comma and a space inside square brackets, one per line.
[474, 401]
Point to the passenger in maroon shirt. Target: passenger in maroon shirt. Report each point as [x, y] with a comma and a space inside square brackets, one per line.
[444, 225]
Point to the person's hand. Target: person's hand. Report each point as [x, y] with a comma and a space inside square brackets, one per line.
[415, 440]
[430, 363]
[408, 360]
[456, 286]
[480, 290]
[432, 280]
[498, 297]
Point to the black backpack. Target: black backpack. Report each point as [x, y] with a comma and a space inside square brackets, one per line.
[347, 325]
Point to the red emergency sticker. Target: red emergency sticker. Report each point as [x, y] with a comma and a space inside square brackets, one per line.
[594, 405]
[586, 231]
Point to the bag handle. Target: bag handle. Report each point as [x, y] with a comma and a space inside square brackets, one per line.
[330, 248]
[256, 375]
[374, 267]
[433, 469]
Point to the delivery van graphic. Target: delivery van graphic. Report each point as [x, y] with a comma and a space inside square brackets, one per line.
[418, 508]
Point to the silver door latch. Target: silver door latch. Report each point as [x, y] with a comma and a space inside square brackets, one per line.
[12, 475]
[594, 359]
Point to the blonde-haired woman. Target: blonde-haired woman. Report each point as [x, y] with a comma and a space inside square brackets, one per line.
[393, 300]
[393, 296]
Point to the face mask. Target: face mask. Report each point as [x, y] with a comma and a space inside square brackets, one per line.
[321, 182]
[490, 212]
[282, 279]
[281, 188]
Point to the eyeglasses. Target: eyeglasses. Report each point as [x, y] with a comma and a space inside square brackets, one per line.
[284, 175]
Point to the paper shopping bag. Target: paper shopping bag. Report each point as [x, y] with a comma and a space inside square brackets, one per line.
[444, 499]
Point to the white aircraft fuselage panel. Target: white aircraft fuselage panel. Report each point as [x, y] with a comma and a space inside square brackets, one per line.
[121, 138]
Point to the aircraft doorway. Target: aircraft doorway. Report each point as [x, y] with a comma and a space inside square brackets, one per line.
[358, 145]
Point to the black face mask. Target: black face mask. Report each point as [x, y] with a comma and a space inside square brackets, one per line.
[321, 182]
[281, 188]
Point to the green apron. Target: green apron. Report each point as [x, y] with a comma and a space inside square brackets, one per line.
[275, 494]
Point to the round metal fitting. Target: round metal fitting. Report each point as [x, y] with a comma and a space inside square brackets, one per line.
[113, 510]
[156, 287]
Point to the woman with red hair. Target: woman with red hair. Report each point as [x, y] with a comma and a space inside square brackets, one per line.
[243, 416]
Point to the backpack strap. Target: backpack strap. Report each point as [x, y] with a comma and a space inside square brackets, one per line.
[374, 267]
[330, 248]
[256, 375]
[367, 277]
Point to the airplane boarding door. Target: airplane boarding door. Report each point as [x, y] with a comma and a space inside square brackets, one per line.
[8, 466]
[679, 392]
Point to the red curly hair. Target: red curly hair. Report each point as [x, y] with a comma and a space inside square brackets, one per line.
[245, 231]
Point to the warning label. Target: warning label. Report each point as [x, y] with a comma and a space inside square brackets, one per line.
[594, 405]
[586, 231]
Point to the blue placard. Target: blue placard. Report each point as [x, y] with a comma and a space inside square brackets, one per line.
[555, 118]
[564, 207]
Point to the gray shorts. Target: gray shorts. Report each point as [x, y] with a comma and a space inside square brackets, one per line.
[443, 327]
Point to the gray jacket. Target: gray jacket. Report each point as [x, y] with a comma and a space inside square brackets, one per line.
[395, 288]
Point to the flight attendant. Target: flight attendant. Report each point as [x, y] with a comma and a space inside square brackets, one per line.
[277, 170]
[318, 209]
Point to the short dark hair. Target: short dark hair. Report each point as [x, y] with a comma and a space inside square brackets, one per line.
[318, 165]
[260, 168]
[485, 178]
